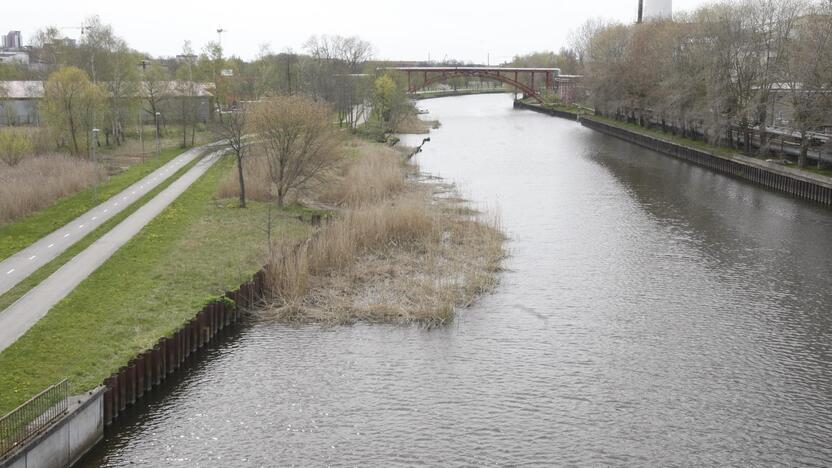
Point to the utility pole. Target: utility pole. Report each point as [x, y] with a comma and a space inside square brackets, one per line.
[640, 11]
[158, 144]
[143, 63]
[95, 163]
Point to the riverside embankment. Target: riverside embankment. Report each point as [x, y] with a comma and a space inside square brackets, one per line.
[801, 184]
[652, 312]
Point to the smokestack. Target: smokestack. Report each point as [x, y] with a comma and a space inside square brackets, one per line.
[640, 11]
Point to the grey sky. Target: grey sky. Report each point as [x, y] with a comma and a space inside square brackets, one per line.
[466, 30]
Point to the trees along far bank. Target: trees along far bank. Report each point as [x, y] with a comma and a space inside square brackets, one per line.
[716, 73]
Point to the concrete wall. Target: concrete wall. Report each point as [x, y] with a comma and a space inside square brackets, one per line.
[18, 111]
[69, 439]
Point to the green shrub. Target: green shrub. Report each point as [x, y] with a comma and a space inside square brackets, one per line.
[14, 146]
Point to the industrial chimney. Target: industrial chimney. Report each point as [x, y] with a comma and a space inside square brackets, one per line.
[657, 9]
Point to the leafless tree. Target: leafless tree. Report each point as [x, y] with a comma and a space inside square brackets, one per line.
[298, 139]
[232, 130]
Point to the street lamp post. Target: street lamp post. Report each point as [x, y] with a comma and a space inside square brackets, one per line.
[158, 144]
[95, 163]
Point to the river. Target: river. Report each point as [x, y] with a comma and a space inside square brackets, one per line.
[653, 313]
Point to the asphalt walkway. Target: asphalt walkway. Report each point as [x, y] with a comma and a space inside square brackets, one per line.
[28, 310]
[19, 266]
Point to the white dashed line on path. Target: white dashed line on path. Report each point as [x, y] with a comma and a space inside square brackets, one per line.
[107, 210]
[33, 257]
[81, 226]
[50, 246]
[94, 218]
[66, 235]
[10, 271]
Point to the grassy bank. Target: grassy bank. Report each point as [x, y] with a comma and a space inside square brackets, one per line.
[23, 232]
[12, 295]
[197, 248]
[394, 253]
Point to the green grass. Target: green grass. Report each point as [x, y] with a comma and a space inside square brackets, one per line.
[196, 249]
[12, 295]
[20, 234]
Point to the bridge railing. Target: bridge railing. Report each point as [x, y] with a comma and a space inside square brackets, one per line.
[32, 417]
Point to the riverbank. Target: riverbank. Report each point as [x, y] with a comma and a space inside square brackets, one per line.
[792, 181]
[401, 249]
[198, 248]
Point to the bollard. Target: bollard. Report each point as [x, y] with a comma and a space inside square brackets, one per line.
[122, 389]
[108, 401]
[140, 375]
[131, 383]
[222, 314]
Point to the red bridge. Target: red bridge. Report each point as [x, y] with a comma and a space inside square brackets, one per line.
[533, 82]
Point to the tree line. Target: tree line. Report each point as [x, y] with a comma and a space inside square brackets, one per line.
[101, 82]
[716, 73]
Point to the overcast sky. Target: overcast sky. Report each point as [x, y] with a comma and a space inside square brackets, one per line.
[406, 30]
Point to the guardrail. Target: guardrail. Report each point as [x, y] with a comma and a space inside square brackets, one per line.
[33, 417]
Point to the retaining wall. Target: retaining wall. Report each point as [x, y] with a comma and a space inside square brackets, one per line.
[790, 181]
[68, 439]
[794, 182]
[152, 367]
[72, 436]
[544, 110]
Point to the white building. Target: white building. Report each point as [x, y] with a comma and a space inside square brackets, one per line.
[658, 9]
[15, 56]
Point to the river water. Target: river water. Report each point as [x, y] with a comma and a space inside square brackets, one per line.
[653, 314]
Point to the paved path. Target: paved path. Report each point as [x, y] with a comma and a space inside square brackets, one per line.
[19, 266]
[23, 314]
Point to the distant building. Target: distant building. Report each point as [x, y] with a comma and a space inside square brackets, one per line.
[658, 9]
[14, 56]
[19, 101]
[13, 41]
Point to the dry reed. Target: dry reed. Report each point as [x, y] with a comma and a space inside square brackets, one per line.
[395, 254]
[37, 182]
[256, 177]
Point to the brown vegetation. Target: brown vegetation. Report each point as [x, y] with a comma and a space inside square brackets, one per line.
[297, 139]
[36, 182]
[396, 253]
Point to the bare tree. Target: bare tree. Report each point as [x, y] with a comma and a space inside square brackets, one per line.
[232, 130]
[807, 75]
[299, 140]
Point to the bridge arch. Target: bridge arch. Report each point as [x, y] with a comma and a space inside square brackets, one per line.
[510, 76]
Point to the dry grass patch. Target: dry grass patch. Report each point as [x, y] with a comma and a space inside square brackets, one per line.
[256, 177]
[396, 253]
[36, 182]
[414, 125]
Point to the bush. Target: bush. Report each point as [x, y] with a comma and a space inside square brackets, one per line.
[14, 146]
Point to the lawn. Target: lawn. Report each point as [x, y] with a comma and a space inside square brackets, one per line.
[12, 295]
[20, 234]
[196, 249]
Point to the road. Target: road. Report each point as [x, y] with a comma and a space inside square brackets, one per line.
[28, 310]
